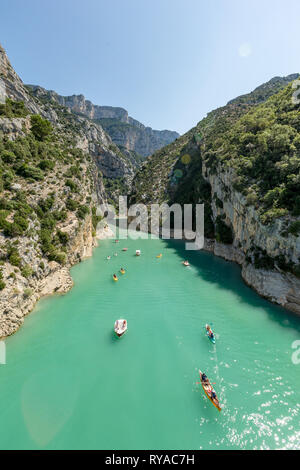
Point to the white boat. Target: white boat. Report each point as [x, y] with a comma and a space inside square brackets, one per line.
[138, 252]
[120, 327]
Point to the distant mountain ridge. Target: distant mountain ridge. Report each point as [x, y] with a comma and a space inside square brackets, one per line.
[264, 91]
[124, 130]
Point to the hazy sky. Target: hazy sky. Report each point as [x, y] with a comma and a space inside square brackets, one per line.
[168, 62]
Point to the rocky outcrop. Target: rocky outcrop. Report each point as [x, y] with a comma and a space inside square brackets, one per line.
[112, 163]
[143, 140]
[123, 129]
[13, 86]
[13, 128]
[20, 295]
[199, 167]
[277, 286]
[29, 277]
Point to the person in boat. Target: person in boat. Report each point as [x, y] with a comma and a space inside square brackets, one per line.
[204, 377]
[209, 331]
[213, 395]
[115, 276]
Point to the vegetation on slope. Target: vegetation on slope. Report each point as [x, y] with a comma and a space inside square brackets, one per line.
[43, 183]
[256, 137]
[263, 148]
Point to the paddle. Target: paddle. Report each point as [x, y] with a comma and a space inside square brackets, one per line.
[212, 383]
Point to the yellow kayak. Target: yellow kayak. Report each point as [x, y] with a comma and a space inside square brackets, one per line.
[159, 256]
[208, 389]
[122, 271]
[115, 278]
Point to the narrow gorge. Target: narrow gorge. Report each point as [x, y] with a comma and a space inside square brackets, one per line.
[62, 156]
[57, 164]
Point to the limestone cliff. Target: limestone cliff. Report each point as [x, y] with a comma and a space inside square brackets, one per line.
[124, 130]
[243, 162]
[53, 168]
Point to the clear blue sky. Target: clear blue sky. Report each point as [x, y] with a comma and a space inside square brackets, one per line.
[168, 62]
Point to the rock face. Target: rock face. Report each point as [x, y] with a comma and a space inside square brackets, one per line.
[13, 85]
[81, 145]
[19, 299]
[124, 131]
[275, 285]
[143, 140]
[189, 170]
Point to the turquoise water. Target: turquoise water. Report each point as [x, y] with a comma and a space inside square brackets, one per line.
[70, 383]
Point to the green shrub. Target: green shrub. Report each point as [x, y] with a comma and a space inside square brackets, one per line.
[27, 271]
[28, 171]
[14, 257]
[13, 109]
[27, 293]
[95, 219]
[46, 204]
[21, 222]
[46, 165]
[82, 212]
[8, 157]
[71, 205]
[40, 127]
[2, 284]
[60, 258]
[73, 186]
[63, 237]
[272, 214]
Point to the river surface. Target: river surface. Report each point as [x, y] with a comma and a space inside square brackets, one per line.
[70, 383]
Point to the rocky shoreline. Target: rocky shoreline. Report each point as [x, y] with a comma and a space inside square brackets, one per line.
[277, 287]
[56, 280]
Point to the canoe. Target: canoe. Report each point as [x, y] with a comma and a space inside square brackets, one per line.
[124, 249]
[120, 327]
[208, 388]
[213, 340]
